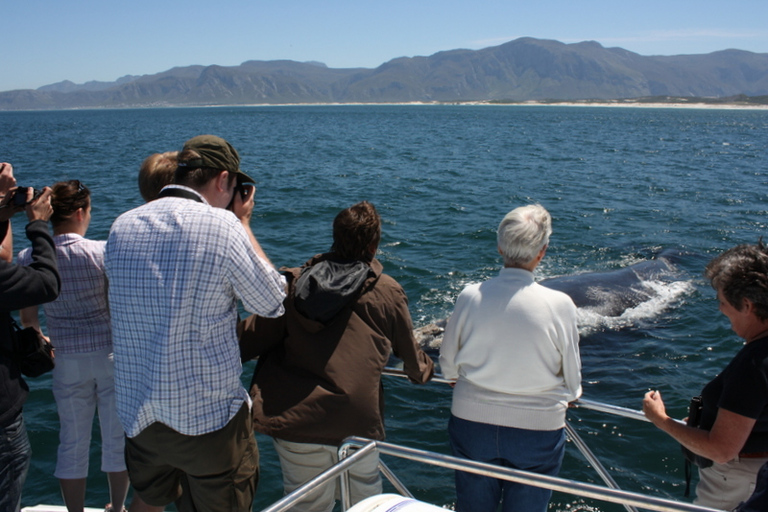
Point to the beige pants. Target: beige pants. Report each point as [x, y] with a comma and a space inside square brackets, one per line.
[724, 486]
[301, 462]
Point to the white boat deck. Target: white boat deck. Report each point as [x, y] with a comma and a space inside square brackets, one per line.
[56, 508]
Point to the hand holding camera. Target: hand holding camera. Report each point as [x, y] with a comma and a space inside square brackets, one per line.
[242, 201]
[23, 196]
[38, 205]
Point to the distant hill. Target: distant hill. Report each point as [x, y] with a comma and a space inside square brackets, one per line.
[67, 86]
[521, 70]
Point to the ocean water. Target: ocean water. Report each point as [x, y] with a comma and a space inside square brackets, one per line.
[622, 184]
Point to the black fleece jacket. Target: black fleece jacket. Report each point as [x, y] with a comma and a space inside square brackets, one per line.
[21, 287]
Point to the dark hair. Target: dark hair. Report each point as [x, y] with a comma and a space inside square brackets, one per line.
[355, 230]
[742, 273]
[195, 177]
[66, 198]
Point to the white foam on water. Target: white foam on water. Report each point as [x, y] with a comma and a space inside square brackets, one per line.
[661, 297]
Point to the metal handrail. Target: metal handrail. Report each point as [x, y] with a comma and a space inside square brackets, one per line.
[525, 477]
[344, 487]
[361, 447]
[572, 435]
[397, 372]
[581, 403]
[592, 459]
[613, 409]
[324, 478]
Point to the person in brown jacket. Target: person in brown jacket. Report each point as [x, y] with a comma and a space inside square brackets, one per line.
[318, 379]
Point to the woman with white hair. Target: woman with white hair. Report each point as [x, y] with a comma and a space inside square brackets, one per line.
[511, 346]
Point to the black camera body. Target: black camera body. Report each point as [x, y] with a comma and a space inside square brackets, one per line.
[19, 197]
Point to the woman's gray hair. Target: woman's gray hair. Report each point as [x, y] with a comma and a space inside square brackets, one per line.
[742, 273]
[523, 233]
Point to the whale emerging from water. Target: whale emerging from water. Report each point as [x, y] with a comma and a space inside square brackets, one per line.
[607, 294]
[612, 293]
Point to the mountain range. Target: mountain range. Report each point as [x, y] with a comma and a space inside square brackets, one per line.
[521, 70]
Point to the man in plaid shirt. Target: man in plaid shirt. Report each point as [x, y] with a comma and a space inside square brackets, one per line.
[176, 268]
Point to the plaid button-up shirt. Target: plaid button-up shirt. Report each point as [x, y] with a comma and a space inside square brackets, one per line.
[78, 320]
[176, 268]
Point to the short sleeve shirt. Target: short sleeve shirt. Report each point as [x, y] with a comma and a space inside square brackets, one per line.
[742, 388]
[78, 320]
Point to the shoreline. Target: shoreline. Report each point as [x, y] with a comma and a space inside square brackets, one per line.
[641, 104]
[488, 103]
[483, 103]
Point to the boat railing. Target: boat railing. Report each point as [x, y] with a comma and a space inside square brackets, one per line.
[571, 433]
[355, 448]
[581, 403]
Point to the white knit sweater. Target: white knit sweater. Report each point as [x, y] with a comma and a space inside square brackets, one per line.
[513, 347]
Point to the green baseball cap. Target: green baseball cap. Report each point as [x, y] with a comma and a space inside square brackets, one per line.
[215, 153]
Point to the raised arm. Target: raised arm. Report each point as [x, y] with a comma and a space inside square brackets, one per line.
[7, 184]
[243, 209]
[39, 282]
[6, 241]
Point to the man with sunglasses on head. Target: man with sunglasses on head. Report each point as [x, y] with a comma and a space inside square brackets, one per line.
[176, 268]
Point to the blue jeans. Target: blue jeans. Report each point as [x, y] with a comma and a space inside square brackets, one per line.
[15, 454]
[538, 451]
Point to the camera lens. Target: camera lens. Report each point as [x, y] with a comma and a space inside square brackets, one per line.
[20, 196]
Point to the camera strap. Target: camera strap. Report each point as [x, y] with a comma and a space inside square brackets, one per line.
[179, 192]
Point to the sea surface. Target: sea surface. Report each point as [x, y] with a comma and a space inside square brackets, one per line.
[622, 184]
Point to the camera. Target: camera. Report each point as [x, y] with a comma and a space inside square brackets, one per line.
[19, 197]
[243, 189]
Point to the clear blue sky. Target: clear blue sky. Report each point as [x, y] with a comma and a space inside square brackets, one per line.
[47, 41]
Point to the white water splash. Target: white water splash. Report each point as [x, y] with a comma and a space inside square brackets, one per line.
[661, 297]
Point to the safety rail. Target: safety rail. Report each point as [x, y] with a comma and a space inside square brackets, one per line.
[592, 459]
[355, 448]
[581, 403]
[571, 433]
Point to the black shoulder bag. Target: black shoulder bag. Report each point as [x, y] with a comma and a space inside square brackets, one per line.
[31, 352]
[694, 419]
